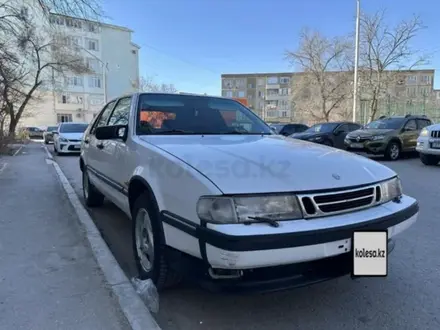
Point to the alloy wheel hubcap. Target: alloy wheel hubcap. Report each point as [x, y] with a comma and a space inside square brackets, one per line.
[144, 240]
[394, 151]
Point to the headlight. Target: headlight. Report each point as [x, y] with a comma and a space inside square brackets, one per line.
[390, 190]
[63, 139]
[424, 132]
[378, 137]
[224, 210]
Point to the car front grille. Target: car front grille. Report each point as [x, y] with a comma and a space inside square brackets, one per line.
[435, 134]
[361, 139]
[326, 204]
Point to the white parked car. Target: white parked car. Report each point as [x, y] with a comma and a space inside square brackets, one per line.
[235, 208]
[67, 138]
[428, 145]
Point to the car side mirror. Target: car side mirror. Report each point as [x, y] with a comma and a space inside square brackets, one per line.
[54, 132]
[113, 132]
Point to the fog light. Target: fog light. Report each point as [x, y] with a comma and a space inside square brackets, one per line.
[218, 273]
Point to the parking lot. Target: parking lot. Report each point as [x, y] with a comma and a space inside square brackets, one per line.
[408, 298]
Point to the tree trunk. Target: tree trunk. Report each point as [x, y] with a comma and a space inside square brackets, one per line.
[12, 126]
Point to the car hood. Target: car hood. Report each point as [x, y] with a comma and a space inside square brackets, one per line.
[259, 164]
[370, 132]
[305, 136]
[72, 136]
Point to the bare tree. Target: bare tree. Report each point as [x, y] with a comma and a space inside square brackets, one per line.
[323, 86]
[384, 52]
[86, 9]
[31, 58]
[147, 84]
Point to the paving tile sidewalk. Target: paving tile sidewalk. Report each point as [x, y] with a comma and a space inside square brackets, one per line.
[48, 276]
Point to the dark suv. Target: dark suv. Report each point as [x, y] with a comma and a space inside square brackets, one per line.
[388, 136]
[288, 129]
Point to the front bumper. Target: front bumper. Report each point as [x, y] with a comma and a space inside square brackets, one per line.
[377, 147]
[294, 254]
[424, 146]
[69, 147]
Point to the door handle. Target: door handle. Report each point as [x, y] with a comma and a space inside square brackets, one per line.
[100, 146]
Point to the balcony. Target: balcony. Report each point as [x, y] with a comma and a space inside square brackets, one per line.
[273, 86]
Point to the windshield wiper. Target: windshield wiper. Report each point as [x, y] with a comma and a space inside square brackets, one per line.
[271, 222]
[174, 131]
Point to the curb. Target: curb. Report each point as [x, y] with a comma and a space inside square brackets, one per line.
[134, 309]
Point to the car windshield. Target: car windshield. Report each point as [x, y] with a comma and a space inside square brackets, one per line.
[389, 123]
[73, 128]
[190, 114]
[322, 128]
[52, 128]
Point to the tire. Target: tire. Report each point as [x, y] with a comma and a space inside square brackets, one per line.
[152, 263]
[92, 196]
[392, 151]
[429, 160]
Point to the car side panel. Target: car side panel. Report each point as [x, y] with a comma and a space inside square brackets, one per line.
[177, 188]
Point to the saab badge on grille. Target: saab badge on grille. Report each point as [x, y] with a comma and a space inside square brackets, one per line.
[358, 138]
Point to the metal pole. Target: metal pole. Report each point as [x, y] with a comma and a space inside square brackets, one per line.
[356, 60]
[104, 78]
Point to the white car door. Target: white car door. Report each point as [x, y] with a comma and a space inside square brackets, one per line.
[117, 155]
[95, 159]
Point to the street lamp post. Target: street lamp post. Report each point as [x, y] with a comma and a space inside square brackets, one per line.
[356, 59]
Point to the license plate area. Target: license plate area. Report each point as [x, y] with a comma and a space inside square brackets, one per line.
[435, 145]
[357, 145]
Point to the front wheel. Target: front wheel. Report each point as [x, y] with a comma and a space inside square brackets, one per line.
[148, 247]
[91, 195]
[392, 151]
[429, 160]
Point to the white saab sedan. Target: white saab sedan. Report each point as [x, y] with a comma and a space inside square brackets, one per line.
[216, 196]
[67, 138]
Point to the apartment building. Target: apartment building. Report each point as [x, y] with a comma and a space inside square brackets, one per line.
[112, 60]
[268, 94]
[271, 95]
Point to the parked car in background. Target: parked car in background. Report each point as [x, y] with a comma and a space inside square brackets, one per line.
[288, 129]
[33, 132]
[330, 134]
[67, 138]
[428, 145]
[388, 136]
[285, 220]
[48, 134]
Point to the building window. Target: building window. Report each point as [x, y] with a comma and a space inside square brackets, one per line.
[283, 113]
[56, 20]
[71, 22]
[96, 101]
[93, 64]
[67, 98]
[424, 91]
[272, 92]
[411, 92]
[272, 113]
[251, 86]
[284, 91]
[228, 93]
[95, 82]
[426, 79]
[92, 44]
[92, 27]
[133, 52]
[284, 80]
[412, 79]
[260, 81]
[272, 80]
[260, 94]
[227, 83]
[241, 94]
[239, 83]
[74, 81]
[64, 118]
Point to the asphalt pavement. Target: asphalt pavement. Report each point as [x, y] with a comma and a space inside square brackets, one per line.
[409, 298]
[48, 276]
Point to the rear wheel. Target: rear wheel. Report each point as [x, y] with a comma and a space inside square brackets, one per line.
[392, 151]
[91, 195]
[148, 245]
[429, 160]
[328, 143]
